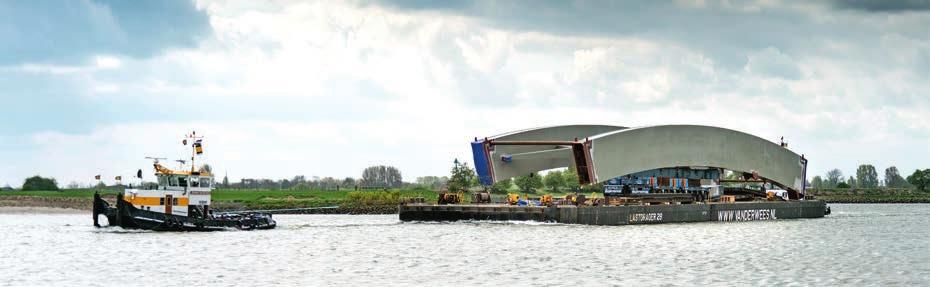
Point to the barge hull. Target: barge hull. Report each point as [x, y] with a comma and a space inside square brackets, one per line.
[618, 215]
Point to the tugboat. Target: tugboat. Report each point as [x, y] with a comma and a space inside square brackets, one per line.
[178, 201]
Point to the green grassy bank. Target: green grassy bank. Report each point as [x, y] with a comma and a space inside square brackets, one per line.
[374, 201]
[282, 199]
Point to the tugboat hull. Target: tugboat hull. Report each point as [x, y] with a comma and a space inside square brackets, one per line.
[127, 216]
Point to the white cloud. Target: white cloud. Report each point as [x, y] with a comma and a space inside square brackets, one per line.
[105, 88]
[47, 69]
[108, 62]
[773, 63]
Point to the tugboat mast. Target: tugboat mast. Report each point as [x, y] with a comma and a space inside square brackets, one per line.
[196, 147]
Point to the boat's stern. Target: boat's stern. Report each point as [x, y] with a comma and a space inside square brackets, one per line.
[103, 207]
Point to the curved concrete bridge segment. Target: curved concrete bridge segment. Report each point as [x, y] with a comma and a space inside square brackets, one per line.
[602, 152]
[512, 160]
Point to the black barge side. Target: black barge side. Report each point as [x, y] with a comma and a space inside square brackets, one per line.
[619, 215]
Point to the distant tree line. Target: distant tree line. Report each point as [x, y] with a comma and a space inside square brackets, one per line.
[432, 182]
[553, 181]
[867, 177]
[40, 183]
[297, 182]
[464, 178]
[920, 179]
[373, 177]
[382, 176]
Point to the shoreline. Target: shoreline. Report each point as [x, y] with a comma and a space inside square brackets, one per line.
[38, 210]
[867, 201]
[77, 205]
[871, 200]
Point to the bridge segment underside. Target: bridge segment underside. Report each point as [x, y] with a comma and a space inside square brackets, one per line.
[605, 152]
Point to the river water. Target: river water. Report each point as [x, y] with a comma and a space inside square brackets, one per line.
[856, 245]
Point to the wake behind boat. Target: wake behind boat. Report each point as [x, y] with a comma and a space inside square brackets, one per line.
[179, 201]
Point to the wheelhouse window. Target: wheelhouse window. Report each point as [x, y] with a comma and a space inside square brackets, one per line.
[182, 181]
[195, 182]
[206, 182]
[163, 180]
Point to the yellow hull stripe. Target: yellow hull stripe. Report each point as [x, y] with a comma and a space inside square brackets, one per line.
[146, 200]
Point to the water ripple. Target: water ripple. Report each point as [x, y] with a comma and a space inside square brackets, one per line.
[857, 245]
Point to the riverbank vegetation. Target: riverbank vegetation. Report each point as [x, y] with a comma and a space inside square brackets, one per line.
[283, 199]
[870, 195]
[237, 199]
[866, 177]
[380, 189]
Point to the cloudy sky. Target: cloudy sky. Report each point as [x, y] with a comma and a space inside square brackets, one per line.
[282, 88]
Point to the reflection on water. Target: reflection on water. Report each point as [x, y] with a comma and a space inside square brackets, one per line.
[856, 245]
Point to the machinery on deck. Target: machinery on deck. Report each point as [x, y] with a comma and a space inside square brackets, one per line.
[545, 200]
[481, 197]
[447, 197]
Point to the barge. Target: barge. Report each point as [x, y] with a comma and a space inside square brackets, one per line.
[617, 215]
[653, 174]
